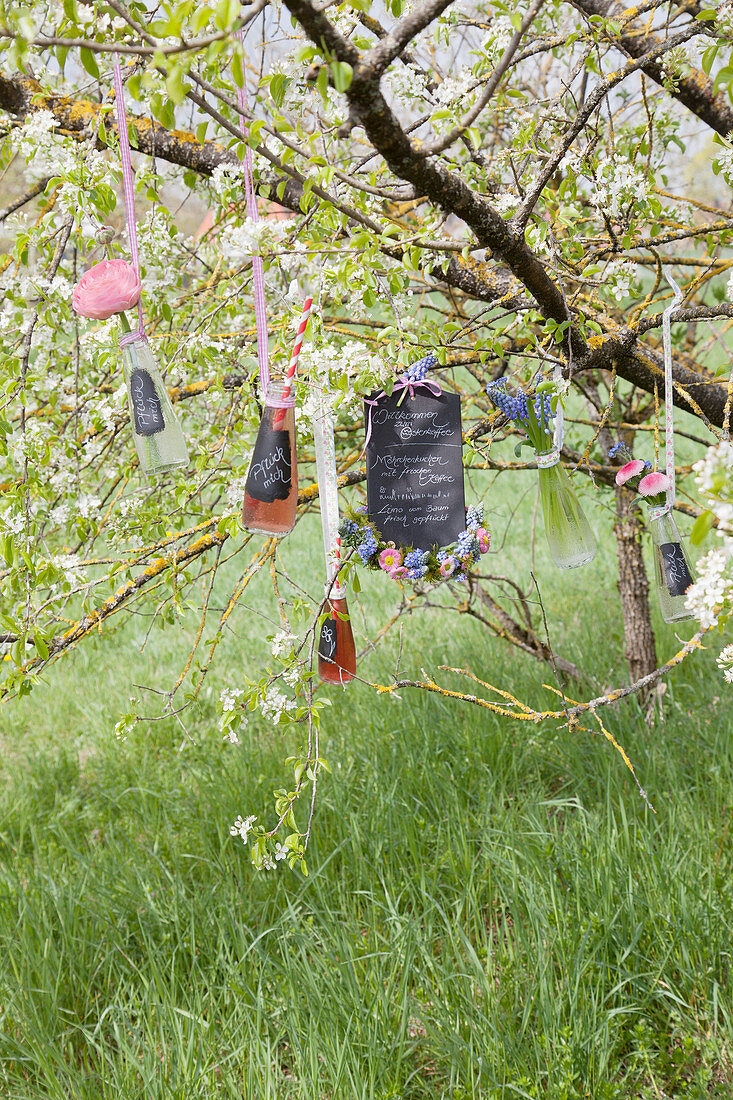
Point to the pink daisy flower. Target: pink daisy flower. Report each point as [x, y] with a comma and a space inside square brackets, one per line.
[653, 484]
[390, 559]
[447, 566]
[484, 538]
[398, 571]
[631, 469]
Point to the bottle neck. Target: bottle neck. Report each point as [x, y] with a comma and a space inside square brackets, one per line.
[280, 395]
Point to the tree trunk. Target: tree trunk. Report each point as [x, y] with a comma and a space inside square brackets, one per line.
[633, 585]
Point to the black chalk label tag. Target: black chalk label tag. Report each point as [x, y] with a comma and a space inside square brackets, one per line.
[146, 406]
[676, 573]
[415, 469]
[270, 472]
[329, 639]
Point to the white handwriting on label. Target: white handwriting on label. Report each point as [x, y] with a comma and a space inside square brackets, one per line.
[273, 469]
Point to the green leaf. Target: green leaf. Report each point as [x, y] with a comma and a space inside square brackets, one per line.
[237, 69]
[322, 83]
[89, 62]
[700, 528]
[342, 74]
[174, 85]
[278, 85]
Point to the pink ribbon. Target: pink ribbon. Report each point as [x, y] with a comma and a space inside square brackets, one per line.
[402, 383]
[129, 189]
[258, 274]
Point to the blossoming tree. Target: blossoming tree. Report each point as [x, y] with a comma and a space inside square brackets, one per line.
[500, 187]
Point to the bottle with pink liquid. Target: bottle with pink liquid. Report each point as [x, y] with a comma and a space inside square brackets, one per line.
[271, 489]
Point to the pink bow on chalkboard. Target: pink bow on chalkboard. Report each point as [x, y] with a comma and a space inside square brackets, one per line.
[414, 376]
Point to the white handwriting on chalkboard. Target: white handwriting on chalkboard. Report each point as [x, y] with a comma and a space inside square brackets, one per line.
[413, 425]
[148, 413]
[273, 469]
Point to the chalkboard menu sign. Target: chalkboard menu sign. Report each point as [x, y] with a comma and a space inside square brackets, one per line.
[146, 408]
[676, 572]
[329, 638]
[415, 469]
[270, 472]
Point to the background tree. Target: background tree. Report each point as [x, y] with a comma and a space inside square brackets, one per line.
[500, 187]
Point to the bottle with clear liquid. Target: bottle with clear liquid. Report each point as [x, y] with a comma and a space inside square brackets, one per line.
[159, 441]
[336, 649]
[271, 488]
[568, 532]
[672, 572]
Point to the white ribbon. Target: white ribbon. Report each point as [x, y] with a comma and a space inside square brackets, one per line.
[328, 493]
[549, 458]
[669, 391]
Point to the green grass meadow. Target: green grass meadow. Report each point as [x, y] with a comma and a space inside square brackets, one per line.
[492, 910]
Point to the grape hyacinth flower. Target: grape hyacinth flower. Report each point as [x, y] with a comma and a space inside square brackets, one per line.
[568, 532]
[474, 516]
[418, 371]
[416, 564]
[367, 548]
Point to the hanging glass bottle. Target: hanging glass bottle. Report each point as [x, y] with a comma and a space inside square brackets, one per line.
[568, 532]
[672, 570]
[271, 489]
[336, 649]
[159, 441]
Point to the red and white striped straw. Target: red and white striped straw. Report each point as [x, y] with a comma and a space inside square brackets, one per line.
[296, 347]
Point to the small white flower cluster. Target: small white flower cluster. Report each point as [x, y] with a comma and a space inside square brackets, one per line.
[505, 202]
[224, 175]
[275, 704]
[725, 163]
[724, 19]
[406, 82]
[70, 566]
[269, 862]
[228, 698]
[230, 723]
[619, 276]
[235, 493]
[242, 827]
[725, 662]
[239, 242]
[282, 643]
[86, 505]
[710, 598]
[453, 90]
[498, 37]
[707, 597]
[618, 183]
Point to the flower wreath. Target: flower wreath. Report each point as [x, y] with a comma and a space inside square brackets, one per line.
[407, 563]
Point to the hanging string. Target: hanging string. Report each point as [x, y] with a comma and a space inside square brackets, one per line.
[258, 274]
[129, 189]
[669, 391]
[328, 493]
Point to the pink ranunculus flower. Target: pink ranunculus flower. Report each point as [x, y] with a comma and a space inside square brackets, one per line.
[631, 469]
[397, 572]
[111, 286]
[484, 539]
[447, 566]
[653, 484]
[390, 559]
